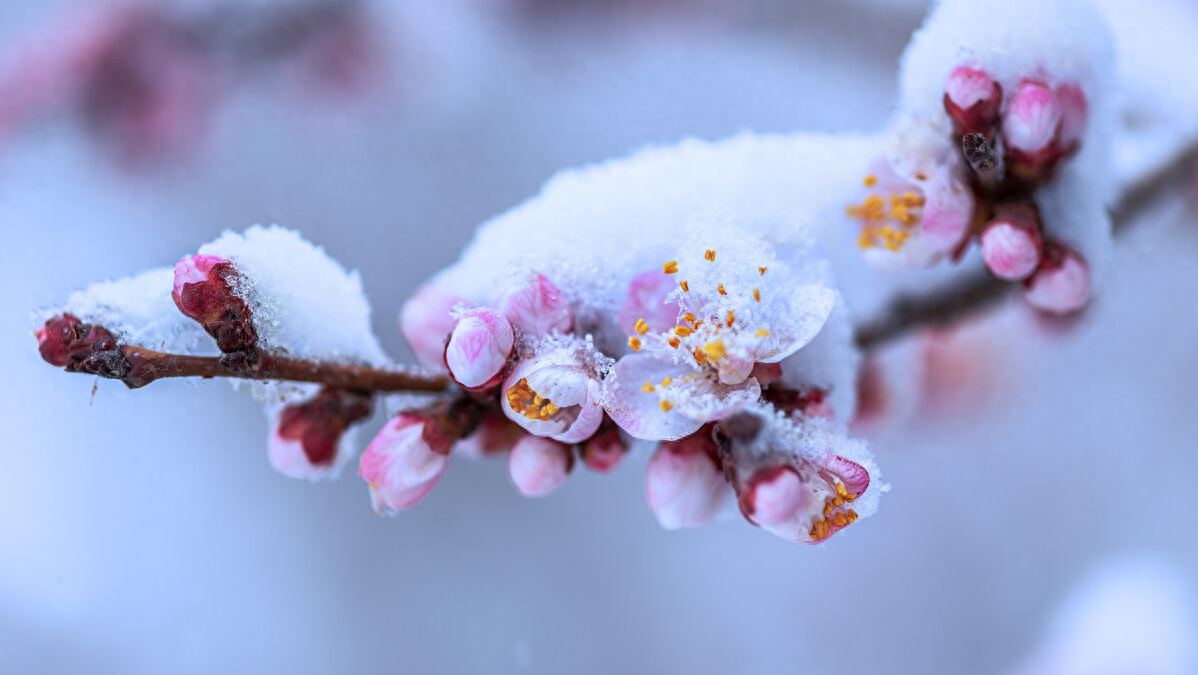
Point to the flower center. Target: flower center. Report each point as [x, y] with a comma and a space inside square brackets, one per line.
[883, 225]
[529, 403]
[834, 514]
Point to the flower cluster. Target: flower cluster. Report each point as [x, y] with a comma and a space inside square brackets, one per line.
[977, 168]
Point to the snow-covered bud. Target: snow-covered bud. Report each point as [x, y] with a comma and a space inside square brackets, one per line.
[537, 307]
[1061, 284]
[426, 321]
[554, 394]
[772, 496]
[479, 348]
[972, 99]
[401, 467]
[204, 291]
[646, 310]
[1011, 243]
[538, 466]
[1074, 112]
[65, 341]
[603, 451]
[684, 482]
[787, 478]
[304, 442]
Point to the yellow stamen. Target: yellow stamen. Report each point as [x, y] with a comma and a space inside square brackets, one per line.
[634, 343]
[674, 342]
[682, 331]
[666, 405]
[761, 332]
[757, 295]
[715, 350]
[667, 381]
[762, 270]
[641, 327]
[870, 180]
[670, 267]
[527, 402]
[731, 319]
[648, 387]
[700, 356]
[688, 317]
[685, 286]
[710, 255]
[720, 288]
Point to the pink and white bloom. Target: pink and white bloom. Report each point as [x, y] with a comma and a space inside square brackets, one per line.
[1011, 244]
[537, 307]
[555, 393]
[479, 348]
[426, 321]
[539, 466]
[1062, 283]
[400, 465]
[1031, 119]
[972, 99]
[916, 210]
[649, 300]
[700, 370]
[823, 506]
[306, 439]
[685, 484]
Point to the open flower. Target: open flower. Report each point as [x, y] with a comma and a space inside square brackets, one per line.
[788, 478]
[555, 393]
[699, 368]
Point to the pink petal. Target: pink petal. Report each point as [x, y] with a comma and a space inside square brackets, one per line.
[684, 487]
[538, 466]
[537, 307]
[638, 412]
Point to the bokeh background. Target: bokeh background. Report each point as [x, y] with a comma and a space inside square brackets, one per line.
[144, 532]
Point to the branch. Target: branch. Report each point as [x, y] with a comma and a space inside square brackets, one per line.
[980, 291]
[137, 367]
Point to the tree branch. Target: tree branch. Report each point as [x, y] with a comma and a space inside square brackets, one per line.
[979, 291]
[137, 367]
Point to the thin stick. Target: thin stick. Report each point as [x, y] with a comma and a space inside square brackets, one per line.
[980, 291]
[145, 366]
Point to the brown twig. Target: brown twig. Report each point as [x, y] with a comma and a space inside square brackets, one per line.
[980, 291]
[146, 366]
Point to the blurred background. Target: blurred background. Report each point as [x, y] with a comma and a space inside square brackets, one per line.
[144, 532]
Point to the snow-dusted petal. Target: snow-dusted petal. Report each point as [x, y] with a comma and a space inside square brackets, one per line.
[632, 399]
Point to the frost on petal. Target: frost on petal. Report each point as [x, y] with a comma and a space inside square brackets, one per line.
[479, 348]
[554, 394]
[539, 466]
[537, 307]
[400, 466]
[684, 483]
[632, 399]
[810, 306]
[647, 301]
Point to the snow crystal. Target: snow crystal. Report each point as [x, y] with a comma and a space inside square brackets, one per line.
[303, 302]
[139, 311]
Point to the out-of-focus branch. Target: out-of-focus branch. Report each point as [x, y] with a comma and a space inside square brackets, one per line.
[974, 294]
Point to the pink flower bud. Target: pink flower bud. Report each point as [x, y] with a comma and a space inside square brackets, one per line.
[479, 348]
[1074, 111]
[772, 496]
[537, 307]
[426, 322]
[400, 466]
[1011, 242]
[203, 290]
[972, 99]
[305, 439]
[539, 466]
[554, 394]
[1032, 119]
[603, 451]
[684, 482]
[1062, 283]
[65, 341]
[647, 300]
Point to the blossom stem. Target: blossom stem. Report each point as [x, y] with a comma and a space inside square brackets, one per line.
[966, 297]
